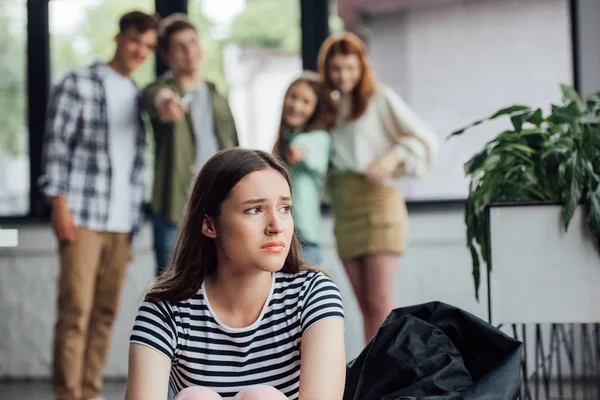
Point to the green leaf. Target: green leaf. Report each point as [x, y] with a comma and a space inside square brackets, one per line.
[565, 114]
[535, 131]
[593, 211]
[573, 180]
[537, 118]
[483, 161]
[472, 221]
[476, 271]
[535, 138]
[499, 113]
[571, 95]
[526, 150]
[514, 157]
[462, 130]
[592, 103]
[588, 139]
[475, 163]
[509, 110]
[526, 116]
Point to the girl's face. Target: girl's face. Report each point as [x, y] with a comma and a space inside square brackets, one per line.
[254, 230]
[299, 105]
[345, 72]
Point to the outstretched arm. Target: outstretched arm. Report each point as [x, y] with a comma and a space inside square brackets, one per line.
[148, 375]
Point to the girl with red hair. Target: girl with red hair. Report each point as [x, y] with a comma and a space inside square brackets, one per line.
[376, 139]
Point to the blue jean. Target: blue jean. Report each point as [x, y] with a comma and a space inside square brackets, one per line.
[311, 253]
[165, 235]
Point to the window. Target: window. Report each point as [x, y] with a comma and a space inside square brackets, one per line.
[252, 53]
[456, 63]
[82, 32]
[14, 146]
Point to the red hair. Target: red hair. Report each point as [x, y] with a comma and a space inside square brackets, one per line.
[346, 44]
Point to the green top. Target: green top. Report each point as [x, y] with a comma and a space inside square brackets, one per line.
[308, 179]
[175, 148]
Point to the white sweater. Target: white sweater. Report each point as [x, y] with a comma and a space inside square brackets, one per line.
[388, 122]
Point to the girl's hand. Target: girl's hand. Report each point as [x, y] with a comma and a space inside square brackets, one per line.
[295, 154]
[383, 167]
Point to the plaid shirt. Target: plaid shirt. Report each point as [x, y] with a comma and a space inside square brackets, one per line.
[76, 157]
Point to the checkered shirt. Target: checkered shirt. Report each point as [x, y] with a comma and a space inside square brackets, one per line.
[76, 158]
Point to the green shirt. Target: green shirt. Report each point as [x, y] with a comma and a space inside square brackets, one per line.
[175, 148]
[308, 178]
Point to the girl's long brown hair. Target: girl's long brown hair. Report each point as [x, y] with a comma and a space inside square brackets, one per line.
[195, 255]
[345, 44]
[316, 121]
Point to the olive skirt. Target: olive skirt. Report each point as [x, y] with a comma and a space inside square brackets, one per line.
[368, 218]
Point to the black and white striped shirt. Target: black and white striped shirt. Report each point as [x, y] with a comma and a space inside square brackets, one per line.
[205, 352]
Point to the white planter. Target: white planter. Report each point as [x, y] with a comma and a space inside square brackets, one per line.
[540, 273]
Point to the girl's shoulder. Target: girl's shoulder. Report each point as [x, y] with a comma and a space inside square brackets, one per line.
[318, 135]
[320, 132]
[291, 276]
[303, 278]
[383, 92]
[386, 100]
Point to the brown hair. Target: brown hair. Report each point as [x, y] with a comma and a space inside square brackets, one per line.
[138, 20]
[195, 255]
[316, 121]
[345, 44]
[171, 25]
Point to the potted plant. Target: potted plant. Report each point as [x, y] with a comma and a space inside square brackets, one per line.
[542, 158]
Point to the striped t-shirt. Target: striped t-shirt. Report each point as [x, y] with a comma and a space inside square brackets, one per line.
[205, 352]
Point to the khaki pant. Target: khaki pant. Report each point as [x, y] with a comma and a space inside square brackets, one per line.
[92, 272]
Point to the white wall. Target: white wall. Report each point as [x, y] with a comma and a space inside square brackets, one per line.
[588, 30]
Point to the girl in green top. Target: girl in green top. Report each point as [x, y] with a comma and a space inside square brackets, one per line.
[305, 146]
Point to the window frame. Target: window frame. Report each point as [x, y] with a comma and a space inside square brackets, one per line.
[39, 82]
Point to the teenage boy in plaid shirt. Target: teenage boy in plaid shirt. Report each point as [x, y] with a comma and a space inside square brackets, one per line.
[94, 177]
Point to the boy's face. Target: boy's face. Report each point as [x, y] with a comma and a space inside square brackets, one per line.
[134, 47]
[185, 51]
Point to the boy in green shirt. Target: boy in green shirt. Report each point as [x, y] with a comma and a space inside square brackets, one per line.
[191, 122]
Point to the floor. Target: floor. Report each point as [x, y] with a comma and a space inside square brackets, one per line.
[41, 390]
